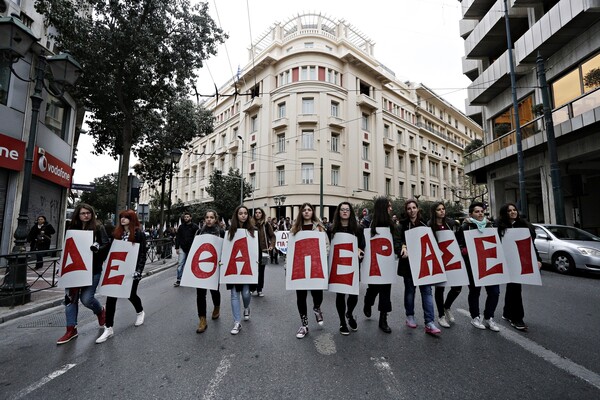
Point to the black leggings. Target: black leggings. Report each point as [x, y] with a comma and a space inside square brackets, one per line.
[111, 304]
[439, 298]
[384, 291]
[317, 296]
[340, 304]
[201, 300]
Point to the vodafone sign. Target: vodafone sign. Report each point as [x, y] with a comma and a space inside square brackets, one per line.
[50, 168]
[12, 153]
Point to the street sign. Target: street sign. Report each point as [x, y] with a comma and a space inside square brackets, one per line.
[86, 188]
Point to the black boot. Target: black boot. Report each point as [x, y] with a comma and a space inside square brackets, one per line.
[383, 325]
[367, 309]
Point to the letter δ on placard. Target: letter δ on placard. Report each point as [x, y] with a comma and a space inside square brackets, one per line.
[118, 269]
[379, 264]
[239, 258]
[201, 268]
[521, 261]
[307, 261]
[486, 257]
[76, 265]
[452, 259]
[343, 264]
[424, 256]
[281, 241]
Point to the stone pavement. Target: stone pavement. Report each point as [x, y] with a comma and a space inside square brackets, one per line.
[53, 296]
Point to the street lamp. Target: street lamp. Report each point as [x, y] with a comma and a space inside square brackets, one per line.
[174, 159]
[279, 200]
[171, 158]
[242, 173]
[15, 42]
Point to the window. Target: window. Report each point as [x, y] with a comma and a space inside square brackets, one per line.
[365, 151]
[364, 88]
[4, 83]
[413, 167]
[386, 131]
[333, 76]
[254, 123]
[281, 143]
[413, 190]
[57, 116]
[281, 175]
[399, 137]
[433, 190]
[401, 189]
[335, 175]
[253, 152]
[387, 159]
[366, 178]
[284, 78]
[388, 186]
[401, 162]
[422, 164]
[308, 105]
[433, 169]
[255, 91]
[253, 180]
[308, 171]
[281, 110]
[335, 109]
[308, 73]
[309, 45]
[422, 188]
[308, 138]
[411, 142]
[365, 122]
[335, 142]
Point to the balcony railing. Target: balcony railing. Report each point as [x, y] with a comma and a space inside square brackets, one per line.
[438, 133]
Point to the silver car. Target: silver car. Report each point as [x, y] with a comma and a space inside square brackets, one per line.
[567, 248]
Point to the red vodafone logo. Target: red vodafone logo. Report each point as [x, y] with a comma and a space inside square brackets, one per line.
[43, 163]
[50, 168]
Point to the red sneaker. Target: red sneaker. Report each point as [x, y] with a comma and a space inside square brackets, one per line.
[102, 317]
[70, 335]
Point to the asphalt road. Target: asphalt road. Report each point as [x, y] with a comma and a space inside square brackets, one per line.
[166, 359]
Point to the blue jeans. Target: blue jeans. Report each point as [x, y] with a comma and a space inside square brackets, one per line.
[86, 295]
[235, 302]
[426, 298]
[181, 257]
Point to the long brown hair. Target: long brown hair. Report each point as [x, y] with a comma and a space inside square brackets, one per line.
[134, 223]
[77, 223]
[236, 224]
[297, 227]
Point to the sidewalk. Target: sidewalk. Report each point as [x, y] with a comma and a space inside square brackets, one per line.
[53, 297]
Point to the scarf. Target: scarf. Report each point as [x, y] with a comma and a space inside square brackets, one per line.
[480, 224]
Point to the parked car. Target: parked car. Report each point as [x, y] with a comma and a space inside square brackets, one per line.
[567, 248]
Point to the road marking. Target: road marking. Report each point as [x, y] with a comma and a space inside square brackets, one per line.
[387, 376]
[224, 365]
[557, 360]
[325, 344]
[43, 381]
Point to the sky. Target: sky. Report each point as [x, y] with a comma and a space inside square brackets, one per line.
[417, 39]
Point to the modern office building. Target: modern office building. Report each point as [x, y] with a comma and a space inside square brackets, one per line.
[58, 126]
[565, 34]
[315, 107]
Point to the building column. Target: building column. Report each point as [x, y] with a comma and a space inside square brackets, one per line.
[547, 196]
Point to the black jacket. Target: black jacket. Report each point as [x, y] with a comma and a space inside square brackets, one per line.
[185, 236]
[39, 240]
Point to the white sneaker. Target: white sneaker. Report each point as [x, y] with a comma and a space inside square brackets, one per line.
[139, 320]
[108, 333]
[449, 316]
[491, 324]
[302, 331]
[246, 314]
[237, 327]
[444, 322]
[261, 294]
[476, 322]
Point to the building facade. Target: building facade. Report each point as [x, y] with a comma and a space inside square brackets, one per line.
[565, 35]
[57, 131]
[314, 106]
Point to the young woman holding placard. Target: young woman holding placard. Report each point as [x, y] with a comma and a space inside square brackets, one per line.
[266, 242]
[128, 229]
[308, 221]
[344, 221]
[210, 227]
[240, 220]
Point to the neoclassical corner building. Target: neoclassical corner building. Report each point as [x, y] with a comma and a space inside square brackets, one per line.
[565, 35]
[317, 109]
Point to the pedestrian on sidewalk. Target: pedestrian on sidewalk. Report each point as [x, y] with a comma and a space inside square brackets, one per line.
[84, 219]
[128, 229]
[477, 220]
[308, 221]
[39, 238]
[210, 227]
[344, 221]
[439, 222]
[183, 242]
[266, 242]
[513, 301]
[240, 220]
[381, 218]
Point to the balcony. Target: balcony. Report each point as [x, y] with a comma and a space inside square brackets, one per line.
[308, 119]
[466, 26]
[387, 142]
[280, 123]
[367, 102]
[336, 122]
[252, 106]
[476, 8]
[470, 68]
[234, 144]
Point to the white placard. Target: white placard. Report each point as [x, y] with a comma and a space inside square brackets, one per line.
[486, 257]
[281, 241]
[379, 266]
[424, 256]
[118, 269]
[452, 260]
[521, 261]
[202, 268]
[76, 266]
[307, 261]
[239, 258]
[343, 264]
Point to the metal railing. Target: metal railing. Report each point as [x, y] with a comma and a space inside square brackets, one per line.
[159, 249]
